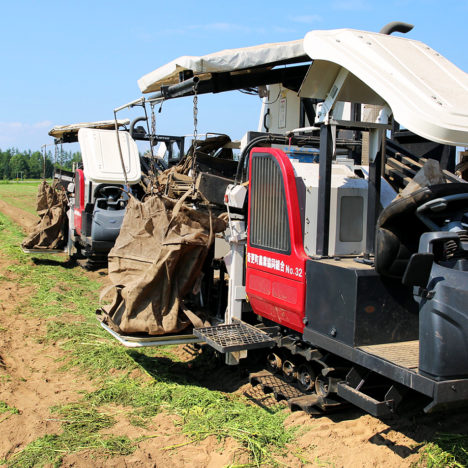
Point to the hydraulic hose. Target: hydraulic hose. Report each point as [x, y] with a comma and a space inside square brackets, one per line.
[245, 152]
[272, 139]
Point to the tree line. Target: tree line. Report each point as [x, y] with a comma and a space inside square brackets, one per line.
[15, 164]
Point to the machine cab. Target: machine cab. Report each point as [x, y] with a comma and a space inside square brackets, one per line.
[111, 165]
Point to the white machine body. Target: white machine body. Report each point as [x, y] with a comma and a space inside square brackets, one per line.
[101, 156]
[348, 209]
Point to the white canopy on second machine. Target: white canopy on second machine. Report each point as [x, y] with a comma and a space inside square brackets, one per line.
[59, 130]
[265, 55]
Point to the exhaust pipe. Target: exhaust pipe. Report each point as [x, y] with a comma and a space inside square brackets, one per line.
[396, 26]
[134, 122]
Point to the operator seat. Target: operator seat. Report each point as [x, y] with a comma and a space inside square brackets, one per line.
[398, 228]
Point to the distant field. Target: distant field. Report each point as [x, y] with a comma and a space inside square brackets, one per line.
[20, 194]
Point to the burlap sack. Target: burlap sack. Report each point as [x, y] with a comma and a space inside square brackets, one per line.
[50, 232]
[155, 262]
[429, 174]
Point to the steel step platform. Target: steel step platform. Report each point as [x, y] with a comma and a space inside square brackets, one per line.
[148, 340]
[296, 399]
[237, 336]
[365, 402]
[42, 251]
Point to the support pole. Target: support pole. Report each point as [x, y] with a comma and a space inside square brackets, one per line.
[374, 183]
[236, 285]
[324, 190]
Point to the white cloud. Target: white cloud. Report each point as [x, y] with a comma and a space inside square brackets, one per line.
[306, 19]
[220, 27]
[350, 5]
[179, 31]
[24, 135]
[43, 124]
[224, 27]
[12, 125]
[145, 36]
[281, 29]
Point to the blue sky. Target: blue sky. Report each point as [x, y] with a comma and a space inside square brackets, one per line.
[74, 61]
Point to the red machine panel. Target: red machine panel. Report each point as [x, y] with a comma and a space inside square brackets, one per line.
[79, 200]
[275, 272]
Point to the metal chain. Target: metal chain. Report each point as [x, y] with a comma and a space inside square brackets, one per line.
[44, 161]
[153, 162]
[195, 115]
[153, 120]
[153, 130]
[195, 124]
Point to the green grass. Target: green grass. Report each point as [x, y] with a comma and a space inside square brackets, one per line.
[203, 413]
[58, 288]
[447, 450]
[81, 426]
[4, 408]
[89, 347]
[163, 383]
[20, 194]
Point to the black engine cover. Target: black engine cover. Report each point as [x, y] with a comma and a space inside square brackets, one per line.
[351, 303]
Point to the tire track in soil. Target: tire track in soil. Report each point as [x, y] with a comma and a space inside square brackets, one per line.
[30, 379]
[22, 218]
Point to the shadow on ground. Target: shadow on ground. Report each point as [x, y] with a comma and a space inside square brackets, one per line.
[64, 263]
[71, 263]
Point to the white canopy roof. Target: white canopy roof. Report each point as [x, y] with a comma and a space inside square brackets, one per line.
[223, 61]
[60, 130]
[426, 92]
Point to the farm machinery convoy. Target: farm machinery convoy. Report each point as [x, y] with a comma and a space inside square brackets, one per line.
[84, 217]
[336, 244]
[86, 213]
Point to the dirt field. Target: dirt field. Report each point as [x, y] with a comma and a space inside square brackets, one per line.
[32, 381]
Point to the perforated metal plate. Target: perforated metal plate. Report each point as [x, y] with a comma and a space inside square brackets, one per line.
[271, 383]
[311, 403]
[256, 396]
[238, 336]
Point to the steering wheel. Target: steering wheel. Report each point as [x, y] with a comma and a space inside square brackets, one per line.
[109, 191]
[440, 209]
